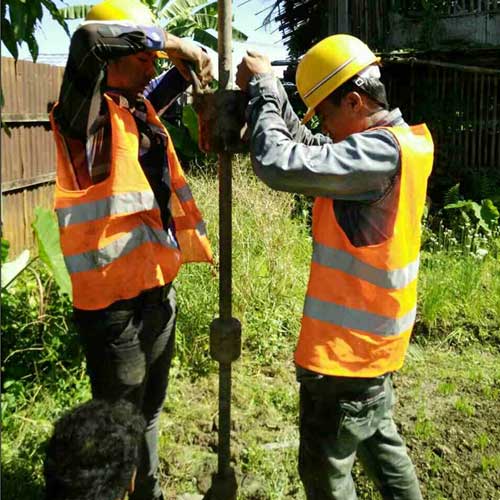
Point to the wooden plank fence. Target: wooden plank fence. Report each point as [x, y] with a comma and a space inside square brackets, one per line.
[28, 151]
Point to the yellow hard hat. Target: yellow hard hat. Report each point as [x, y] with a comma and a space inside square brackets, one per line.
[121, 10]
[327, 65]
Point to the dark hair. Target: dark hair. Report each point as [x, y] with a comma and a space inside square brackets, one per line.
[372, 87]
[93, 451]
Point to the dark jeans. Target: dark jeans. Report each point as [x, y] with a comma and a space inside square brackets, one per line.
[129, 347]
[341, 418]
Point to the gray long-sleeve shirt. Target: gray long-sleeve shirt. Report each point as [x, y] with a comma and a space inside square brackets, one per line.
[361, 172]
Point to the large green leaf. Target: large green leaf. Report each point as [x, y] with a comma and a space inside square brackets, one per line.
[54, 12]
[182, 140]
[239, 36]
[190, 120]
[206, 21]
[49, 247]
[490, 213]
[182, 8]
[20, 18]
[8, 37]
[181, 27]
[205, 38]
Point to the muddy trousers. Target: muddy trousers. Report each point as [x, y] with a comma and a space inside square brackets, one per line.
[341, 418]
[129, 347]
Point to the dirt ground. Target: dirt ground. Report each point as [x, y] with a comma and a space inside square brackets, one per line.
[447, 410]
[449, 413]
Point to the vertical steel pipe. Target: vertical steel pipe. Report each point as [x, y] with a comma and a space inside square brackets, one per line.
[224, 487]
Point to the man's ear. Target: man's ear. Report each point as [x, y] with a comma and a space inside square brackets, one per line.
[353, 101]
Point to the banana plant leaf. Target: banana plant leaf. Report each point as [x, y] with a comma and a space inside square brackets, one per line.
[49, 247]
[75, 11]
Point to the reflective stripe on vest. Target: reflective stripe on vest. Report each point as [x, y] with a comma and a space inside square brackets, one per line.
[121, 203]
[201, 228]
[122, 246]
[346, 317]
[344, 261]
[184, 193]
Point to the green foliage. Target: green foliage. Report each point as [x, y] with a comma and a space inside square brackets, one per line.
[452, 195]
[193, 18]
[463, 226]
[268, 291]
[75, 11]
[459, 299]
[20, 20]
[185, 135]
[44, 370]
[184, 18]
[49, 247]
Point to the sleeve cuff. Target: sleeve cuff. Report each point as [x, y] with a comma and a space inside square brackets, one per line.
[263, 84]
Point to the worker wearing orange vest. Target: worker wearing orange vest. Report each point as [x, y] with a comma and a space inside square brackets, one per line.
[368, 175]
[126, 215]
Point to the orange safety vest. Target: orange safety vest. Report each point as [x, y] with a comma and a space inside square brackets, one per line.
[112, 236]
[361, 301]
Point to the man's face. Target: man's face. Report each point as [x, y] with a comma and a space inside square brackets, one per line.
[132, 73]
[340, 121]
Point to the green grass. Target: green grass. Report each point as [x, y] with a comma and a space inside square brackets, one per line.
[448, 389]
[459, 299]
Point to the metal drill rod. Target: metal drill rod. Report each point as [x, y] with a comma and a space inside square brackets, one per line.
[224, 449]
[224, 485]
[225, 306]
[225, 235]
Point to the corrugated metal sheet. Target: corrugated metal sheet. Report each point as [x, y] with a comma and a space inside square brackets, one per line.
[28, 151]
[29, 87]
[18, 214]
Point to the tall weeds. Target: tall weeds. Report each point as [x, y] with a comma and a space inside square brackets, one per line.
[271, 255]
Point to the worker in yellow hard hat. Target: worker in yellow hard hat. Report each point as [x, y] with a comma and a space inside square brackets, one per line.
[126, 215]
[368, 175]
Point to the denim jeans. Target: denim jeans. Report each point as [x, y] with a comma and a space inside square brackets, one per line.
[129, 347]
[341, 418]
